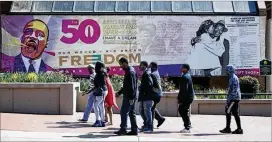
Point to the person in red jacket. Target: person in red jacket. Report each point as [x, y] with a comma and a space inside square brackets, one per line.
[110, 99]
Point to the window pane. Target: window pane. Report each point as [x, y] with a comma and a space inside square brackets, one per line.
[161, 6]
[105, 6]
[222, 6]
[121, 6]
[181, 6]
[202, 6]
[140, 6]
[241, 6]
[21, 6]
[42, 6]
[84, 6]
[63, 6]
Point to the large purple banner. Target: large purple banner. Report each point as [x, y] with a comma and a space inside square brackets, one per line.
[208, 44]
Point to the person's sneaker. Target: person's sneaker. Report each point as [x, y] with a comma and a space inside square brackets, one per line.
[160, 122]
[120, 132]
[147, 130]
[131, 133]
[238, 131]
[225, 130]
[82, 120]
[97, 124]
[142, 128]
[103, 124]
[185, 131]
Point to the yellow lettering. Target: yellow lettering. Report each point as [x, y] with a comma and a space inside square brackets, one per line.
[87, 59]
[108, 58]
[135, 59]
[119, 56]
[62, 59]
[75, 59]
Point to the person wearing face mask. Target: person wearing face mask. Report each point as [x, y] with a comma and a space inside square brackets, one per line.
[157, 93]
[185, 97]
[232, 104]
[100, 92]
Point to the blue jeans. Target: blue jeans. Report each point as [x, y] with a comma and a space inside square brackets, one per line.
[128, 109]
[89, 106]
[145, 108]
[99, 106]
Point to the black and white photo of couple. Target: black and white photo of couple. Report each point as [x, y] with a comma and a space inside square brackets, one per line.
[210, 49]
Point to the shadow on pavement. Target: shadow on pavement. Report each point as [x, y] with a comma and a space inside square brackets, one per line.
[208, 134]
[160, 132]
[111, 128]
[90, 135]
[64, 124]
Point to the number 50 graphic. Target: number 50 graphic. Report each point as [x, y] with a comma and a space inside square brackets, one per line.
[93, 31]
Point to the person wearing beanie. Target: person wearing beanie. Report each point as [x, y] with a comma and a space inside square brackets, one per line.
[233, 99]
[100, 92]
[185, 97]
[91, 97]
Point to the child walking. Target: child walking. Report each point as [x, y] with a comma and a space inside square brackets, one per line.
[233, 99]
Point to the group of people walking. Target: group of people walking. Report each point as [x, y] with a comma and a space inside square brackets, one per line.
[101, 95]
[148, 94]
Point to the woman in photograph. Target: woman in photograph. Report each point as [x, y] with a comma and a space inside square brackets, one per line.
[207, 48]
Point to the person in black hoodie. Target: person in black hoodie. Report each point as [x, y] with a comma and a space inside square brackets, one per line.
[100, 92]
[129, 92]
[185, 97]
[146, 97]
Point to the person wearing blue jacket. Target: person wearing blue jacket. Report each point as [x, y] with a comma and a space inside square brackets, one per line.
[129, 91]
[157, 91]
[185, 97]
[232, 104]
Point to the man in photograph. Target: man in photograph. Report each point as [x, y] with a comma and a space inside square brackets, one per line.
[33, 42]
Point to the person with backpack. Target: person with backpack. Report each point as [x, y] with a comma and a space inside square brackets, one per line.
[157, 94]
[146, 97]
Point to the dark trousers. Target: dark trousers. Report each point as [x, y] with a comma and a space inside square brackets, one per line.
[128, 109]
[155, 112]
[184, 113]
[233, 108]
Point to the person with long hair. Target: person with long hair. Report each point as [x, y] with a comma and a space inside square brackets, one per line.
[110, 99]
[100, 92]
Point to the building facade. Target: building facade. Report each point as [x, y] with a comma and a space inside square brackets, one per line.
[68, 36]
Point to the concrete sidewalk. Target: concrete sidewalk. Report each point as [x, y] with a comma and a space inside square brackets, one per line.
[29, 127]
[49, 136]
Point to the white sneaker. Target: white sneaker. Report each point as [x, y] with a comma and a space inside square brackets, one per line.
[185, 131]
